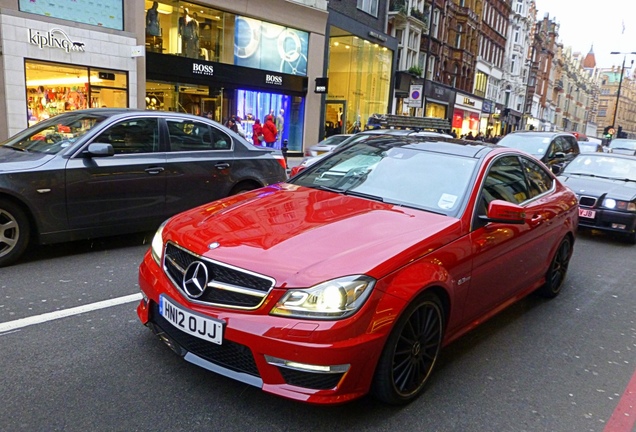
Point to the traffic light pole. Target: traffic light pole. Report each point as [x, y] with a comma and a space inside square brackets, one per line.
[618, 93]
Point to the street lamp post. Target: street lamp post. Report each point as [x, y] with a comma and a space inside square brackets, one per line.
[620, 83]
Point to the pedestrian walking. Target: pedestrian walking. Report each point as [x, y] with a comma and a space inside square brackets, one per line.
[269, 131]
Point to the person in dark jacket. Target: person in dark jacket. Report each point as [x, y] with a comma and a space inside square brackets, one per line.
[269, 131]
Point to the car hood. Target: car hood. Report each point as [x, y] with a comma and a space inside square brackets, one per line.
[596, 187]
[14, 160]
[301, 236]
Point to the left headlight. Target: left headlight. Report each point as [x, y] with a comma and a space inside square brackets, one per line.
[156, 247]
[334, 299]
[619, 205]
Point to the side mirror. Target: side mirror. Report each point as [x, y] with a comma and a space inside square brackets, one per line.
[99, 150]
[559, 155]
[505, 212]
[556, 169]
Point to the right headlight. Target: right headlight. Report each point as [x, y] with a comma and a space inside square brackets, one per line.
[156, 247]
[334, 299]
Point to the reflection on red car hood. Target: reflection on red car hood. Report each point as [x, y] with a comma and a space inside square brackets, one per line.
[303, 236]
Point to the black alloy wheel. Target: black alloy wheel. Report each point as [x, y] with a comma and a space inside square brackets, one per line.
[558, 269]
[14, 232]
[410, 352]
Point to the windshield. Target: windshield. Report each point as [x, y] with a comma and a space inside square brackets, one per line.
[600, 165]
[53, 135]
[623, 144]
[533, 144]
[394, 173]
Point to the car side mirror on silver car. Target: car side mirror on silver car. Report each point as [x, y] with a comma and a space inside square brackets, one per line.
[99, 150]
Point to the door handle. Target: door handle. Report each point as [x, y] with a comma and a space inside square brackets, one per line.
[222, 165]
[536, 220]
[154, 170]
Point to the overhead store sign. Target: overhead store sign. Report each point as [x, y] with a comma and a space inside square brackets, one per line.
[55, 38]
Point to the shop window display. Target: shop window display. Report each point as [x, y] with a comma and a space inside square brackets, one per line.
[186, 29]
[54, 88]
[359, 82]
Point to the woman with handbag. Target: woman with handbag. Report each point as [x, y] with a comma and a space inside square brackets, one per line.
[257, 133]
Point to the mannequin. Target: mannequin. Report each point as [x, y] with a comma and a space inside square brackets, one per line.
[152, 20]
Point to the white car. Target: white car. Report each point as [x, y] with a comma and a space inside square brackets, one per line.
[311, 159]
[327, 145]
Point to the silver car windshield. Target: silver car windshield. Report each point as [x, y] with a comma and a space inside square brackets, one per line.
[400, 175]
[53, 135]
[603, 166]
[533, 144]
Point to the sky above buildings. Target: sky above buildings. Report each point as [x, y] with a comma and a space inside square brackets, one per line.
[607, 25]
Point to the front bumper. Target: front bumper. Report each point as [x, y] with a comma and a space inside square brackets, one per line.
[321, 362]
[610, 220]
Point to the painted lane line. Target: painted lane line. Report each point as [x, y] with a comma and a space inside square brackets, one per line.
[624, 416]
[39, 319]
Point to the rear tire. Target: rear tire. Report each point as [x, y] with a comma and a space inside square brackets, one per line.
[558, 269]
[411, 352]
[14, 232]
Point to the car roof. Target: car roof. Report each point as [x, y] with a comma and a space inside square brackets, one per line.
[440, 144]
[539, 133]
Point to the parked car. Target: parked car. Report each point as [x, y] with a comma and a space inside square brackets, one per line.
[101, 172]
[622, 146]
[350, 277]
[327, 145]
[590, 147]
[555, 149]
[310, 160]
[605, 185]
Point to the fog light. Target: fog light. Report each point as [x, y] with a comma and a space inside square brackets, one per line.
[306, 367]
[618, 226]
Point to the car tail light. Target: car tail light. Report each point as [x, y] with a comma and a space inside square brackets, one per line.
[281, 161]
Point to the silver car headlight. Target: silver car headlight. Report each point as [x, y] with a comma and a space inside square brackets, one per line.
[156, 247]
[334, 299]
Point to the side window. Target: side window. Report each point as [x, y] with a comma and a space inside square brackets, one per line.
[505, 181]
[132, 136]
[186, 135]
[539, 181]
[572, 145]
[566, 145]
[556, 147]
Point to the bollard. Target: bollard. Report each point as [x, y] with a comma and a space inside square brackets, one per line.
[284, 150]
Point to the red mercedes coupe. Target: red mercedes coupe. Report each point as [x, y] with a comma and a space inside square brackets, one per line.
[351, 277]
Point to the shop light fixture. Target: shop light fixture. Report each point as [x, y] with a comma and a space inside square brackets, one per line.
[164, 9]
[61, 81]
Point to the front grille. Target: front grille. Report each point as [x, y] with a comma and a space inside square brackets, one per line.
[228, 286]
[230, 355]
[586, 201]
[310, 380]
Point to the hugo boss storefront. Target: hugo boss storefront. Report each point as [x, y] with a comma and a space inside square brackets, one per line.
[49, 68]
[200, 87]
[204, 60]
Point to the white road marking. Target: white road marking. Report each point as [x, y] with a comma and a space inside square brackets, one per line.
[39, 319]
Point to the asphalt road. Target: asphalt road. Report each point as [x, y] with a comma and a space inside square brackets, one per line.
[561, 365]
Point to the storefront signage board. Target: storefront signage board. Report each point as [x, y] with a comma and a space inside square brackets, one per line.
[54, 38]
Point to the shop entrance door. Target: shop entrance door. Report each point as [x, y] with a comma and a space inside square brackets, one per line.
[335, 117]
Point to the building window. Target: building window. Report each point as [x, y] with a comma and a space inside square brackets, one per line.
[435, 24]
[519, 7]
[458, 36]
[369, 6]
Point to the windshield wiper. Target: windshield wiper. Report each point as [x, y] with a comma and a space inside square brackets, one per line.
[363, 195]
[603, 177]
[23, 150]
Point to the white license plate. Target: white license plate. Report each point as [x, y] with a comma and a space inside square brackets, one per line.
[587, 213]
[191, 322]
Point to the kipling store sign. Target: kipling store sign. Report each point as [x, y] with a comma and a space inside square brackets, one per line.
[54, 38]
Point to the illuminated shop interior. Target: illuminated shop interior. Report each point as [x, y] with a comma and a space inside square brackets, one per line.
[54, 88]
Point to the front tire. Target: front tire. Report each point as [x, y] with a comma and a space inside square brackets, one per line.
[14, 232]
[411, 352]
[558, 269]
